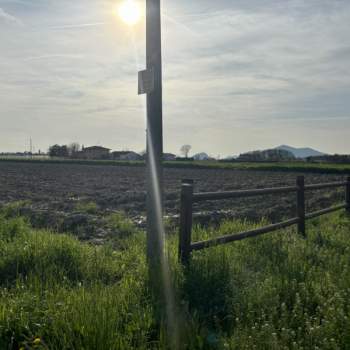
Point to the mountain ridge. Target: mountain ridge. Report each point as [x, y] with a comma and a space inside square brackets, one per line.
[302, 152]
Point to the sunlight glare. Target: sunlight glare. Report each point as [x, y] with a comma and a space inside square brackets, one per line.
[129, 11]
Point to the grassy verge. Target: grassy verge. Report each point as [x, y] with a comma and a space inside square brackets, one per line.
[322, 168]
[326, 168]
[277, 291]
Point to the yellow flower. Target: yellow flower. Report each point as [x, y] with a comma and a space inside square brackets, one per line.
[37, 341]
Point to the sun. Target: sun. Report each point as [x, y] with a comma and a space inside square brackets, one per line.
[129, 11]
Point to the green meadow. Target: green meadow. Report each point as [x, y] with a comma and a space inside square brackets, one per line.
[278, 291]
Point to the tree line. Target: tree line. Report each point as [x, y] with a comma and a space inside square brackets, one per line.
[64, 151]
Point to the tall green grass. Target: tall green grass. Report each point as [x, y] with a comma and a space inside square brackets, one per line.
[278, 291]
[296, 166]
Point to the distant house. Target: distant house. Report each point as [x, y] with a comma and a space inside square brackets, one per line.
[269, 155]
[95, 152]
[334, 158]
[184, 159]
[126, 155]
[168, 157]
[202, 156]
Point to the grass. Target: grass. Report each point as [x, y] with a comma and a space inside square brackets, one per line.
[87, 207]
[121, 225]
[278, 291]
[14, 209]
[69, 294]
[297, 166]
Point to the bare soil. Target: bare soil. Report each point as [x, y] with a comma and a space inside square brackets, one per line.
[56, 189]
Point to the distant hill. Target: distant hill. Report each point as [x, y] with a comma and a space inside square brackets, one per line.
[301, 152]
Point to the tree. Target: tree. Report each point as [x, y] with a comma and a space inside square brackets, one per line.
[73, 149]
[185, 150]
[58, 151]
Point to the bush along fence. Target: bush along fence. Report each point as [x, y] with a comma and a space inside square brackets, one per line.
[188, 198]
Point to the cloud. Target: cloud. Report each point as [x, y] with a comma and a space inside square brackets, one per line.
[78, 26]
[7, 18]
[234, 69]
[45, 57]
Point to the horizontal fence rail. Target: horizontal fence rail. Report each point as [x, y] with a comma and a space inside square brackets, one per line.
[188, 198]
[315, 214]
[239, 236]
[326, 185]
[199, 197]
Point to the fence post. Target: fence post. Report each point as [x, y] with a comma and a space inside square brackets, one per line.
[347, 194]
[186, 210]
[301, 205]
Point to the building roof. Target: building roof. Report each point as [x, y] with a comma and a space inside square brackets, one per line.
[96, 148]
[123, 152]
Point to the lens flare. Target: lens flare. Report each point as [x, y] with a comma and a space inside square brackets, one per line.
[165, 277]
[129, 11]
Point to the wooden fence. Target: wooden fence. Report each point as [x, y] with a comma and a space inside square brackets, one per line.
[188, 198]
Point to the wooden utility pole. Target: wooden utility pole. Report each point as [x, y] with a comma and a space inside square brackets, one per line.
[154, 131]
[347, 195]
[301, 205]
[186, 221]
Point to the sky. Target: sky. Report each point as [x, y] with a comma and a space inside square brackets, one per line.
[239, 75]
